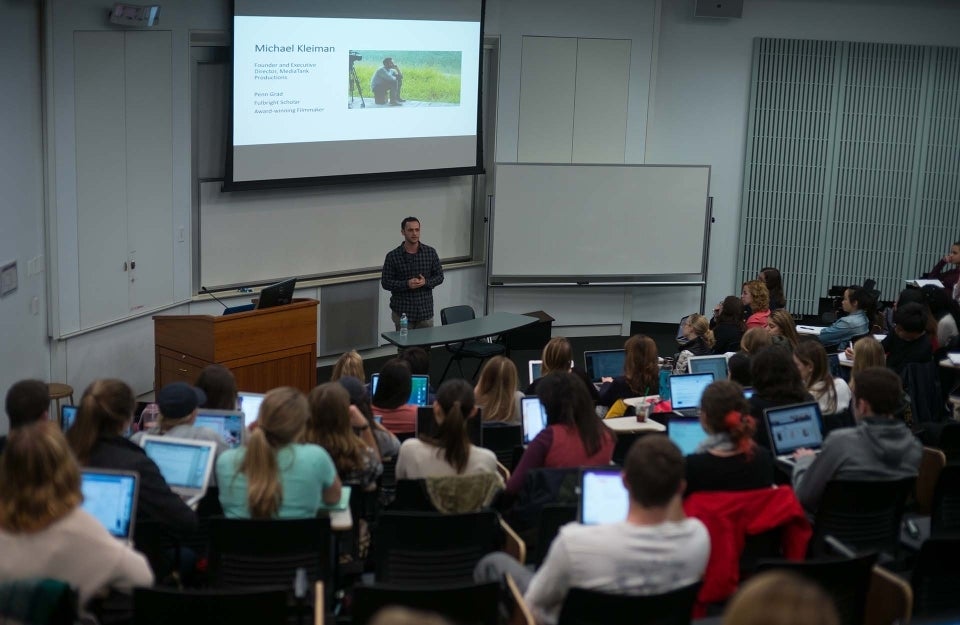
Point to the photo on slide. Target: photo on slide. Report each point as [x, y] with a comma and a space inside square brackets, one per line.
[407, 78]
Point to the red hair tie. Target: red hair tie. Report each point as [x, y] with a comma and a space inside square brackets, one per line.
[733, 419]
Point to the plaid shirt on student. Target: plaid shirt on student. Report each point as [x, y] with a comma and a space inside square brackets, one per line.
[398, 268]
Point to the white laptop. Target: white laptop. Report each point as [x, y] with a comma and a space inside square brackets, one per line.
[686, 433]
[603, 497]
[229, 424]
[793, 427]
[186, 464]
[717, 365]
[249, 404]
[534, 370]
[686, 390]
[534, 418]
[111, 497]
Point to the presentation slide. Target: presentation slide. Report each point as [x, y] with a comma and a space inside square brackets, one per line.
[334, 94]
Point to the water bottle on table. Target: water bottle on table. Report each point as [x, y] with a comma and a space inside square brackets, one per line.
[404, 324]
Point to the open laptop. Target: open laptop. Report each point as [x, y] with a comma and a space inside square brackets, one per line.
[603, 363]
[111, 497]
[793, 427]
[686, 433]
[680, 338]
[427, 424]
[229, 424]
[686, 390]
[186, 464]
[717, 365]
[249, 404]
[603, 497]
[68, 415]
[534, 418]
[534, 369]
[419, 388]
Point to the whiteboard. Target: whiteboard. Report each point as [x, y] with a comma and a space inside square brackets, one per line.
[583, 221]
[261, 236]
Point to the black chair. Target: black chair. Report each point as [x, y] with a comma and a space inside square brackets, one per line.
[160, 606]
[552, 518]
[429, 549]
[846, 580]
[589, 607]
[936, 577]
[469, 349]
[949, 441]
[945, 511]
[503, 440]
[921, 381]
[411, 495]
[38, 602]
[864, 515]
[465, 604]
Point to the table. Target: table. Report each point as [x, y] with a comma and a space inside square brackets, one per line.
[623, 425]
[497, 323]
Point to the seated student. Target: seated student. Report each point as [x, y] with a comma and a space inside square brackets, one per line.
[728, 459]
[858, 304]
[641, 372]
[781, 324]
[949, 278]
[729, 326]
[343, 431]
[738, 365]
[575, 436]
[907, 296]
[700, 341]
[945, 311]
[105, 414]
[909, 342]
[756, 302]
[390, 401]
[770, 276]
[178, 404]
[387, 443]
[831, 393]
[654, 550]
[274, 476]
[879, 448]
[348, 364]
[776, 382]
[28, 401]
[497, 392]
[780, 598]
[44, 533]
[219, 386]
[557, 355]
[450, 452]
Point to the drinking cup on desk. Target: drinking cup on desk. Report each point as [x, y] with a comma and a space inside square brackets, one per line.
[643, 411]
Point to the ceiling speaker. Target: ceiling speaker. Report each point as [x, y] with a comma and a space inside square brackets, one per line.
[718, 8]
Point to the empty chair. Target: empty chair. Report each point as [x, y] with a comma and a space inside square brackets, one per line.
[864, 515]
[945, 512]
[589, 607]
[936, 578]
[464, 603]
[162, 606]
[466, 349]
[503, 440]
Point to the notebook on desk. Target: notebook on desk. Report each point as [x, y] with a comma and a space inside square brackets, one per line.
[717, 365]
[419, 388]
[186, 464]
[603, 497]
[793, 427]
[534, 418]
[686, 390]
[111, 497]
[229, 424]
[249, 404]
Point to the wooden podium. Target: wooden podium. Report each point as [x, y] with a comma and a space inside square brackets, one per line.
[263, 348]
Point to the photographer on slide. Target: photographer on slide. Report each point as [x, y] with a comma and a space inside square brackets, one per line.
[387, 78]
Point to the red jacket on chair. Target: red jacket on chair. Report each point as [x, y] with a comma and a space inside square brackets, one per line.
[731, 516]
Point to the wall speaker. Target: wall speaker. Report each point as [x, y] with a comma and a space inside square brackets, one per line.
[718, 8]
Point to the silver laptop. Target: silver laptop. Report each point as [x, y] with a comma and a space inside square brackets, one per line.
[111, 497]
[603, 363]
[229, 424]
[793, 427]
[686, 391]
[717, 365]
[603, 497]
[186, 464]
[534, 369]
[534, 418]
[686, 433]
[249, 404]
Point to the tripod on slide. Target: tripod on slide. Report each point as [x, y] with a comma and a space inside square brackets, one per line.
[355, 83]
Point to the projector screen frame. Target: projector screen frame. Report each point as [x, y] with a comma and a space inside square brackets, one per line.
[229, 184]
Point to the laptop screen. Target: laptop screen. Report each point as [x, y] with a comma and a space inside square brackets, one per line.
[68, 414]
[182, 463]
[686, 390]
[419, 388]
[604, 364]
[534, 418]
[534, 368]
[111, 497]
[717, 365]
[686, 433]
[249, 403]
[227, 423]
[603, 497]
[794, 426]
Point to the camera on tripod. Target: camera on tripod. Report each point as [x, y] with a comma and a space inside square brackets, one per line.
[354, 57]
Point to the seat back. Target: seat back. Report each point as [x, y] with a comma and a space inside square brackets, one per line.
[865, 515]
[248, 553]
[503, 440]
[456, 314]
[936, 577]
[423, 549]
[931, 464]
[590, 607]
[161, 606]
[411, 495]
[38, 601]
[921, 381]
[949, 441]
[464, 603]
[945, 509]
[846, 580]
[552, 518]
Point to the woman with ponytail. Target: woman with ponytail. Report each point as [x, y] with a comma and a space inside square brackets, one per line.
[728, 459]
[276, 475]
[449, 452]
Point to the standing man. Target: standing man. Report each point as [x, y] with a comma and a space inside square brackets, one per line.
[410, 273]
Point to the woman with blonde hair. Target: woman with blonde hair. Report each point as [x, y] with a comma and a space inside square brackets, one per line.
[780, 323]
[755, 295]
[497, 393]
[641, 372]
[557, 356]
[44, 533]
[276, 475]
[700, 341]
[349, 363]
[780, 598]
[865, 353]
[343, 431]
